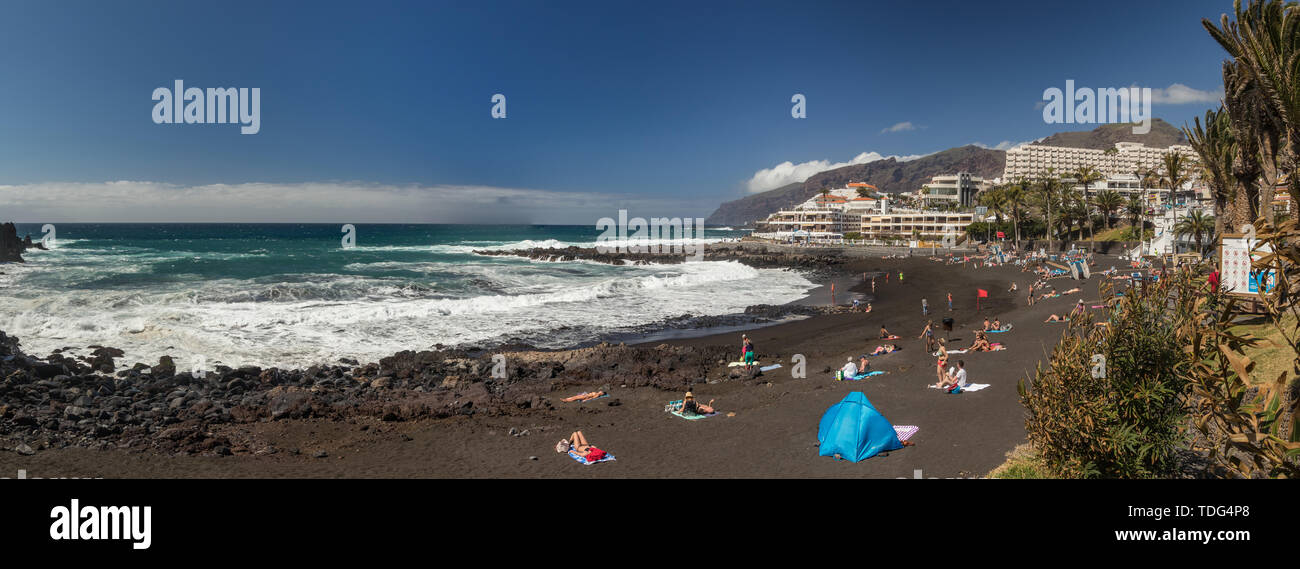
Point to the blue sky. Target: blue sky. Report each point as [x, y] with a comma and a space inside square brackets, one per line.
[653, 105]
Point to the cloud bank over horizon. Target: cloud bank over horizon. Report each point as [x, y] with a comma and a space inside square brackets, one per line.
[787, 172]
[322, 202]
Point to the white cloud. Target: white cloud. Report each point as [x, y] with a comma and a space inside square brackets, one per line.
[790, 173]
[1005, 145]
[322, 202]
[900, 127]
[1179, 94]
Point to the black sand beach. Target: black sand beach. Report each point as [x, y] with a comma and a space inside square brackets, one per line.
[773, 432]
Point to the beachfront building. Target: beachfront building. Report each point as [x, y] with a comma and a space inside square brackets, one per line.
[807, 222]
[909, 224]
[952, 189]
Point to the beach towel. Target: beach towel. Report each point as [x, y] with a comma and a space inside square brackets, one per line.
[769, 368]
[862, 376]
[1004, 328]
[950, 352]
[738, 364]
[1099, 306]
[583, 459]
[675, 407]
[905, 432]
[889, 338]
[967, 387]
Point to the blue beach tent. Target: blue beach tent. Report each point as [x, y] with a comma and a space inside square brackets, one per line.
[855, 430]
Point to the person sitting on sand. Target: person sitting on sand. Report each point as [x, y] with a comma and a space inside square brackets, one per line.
[1056, 318]
[868, 310]
[850, 369]
[981, 343]
[884, 349]
[1079, 309]
[997, 324]
[986, 323]
[958, 377]
[884, 334]
[691, 407]
[864, 366]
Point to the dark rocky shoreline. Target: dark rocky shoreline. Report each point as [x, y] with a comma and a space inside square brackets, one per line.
[85, 401]
[93, 401]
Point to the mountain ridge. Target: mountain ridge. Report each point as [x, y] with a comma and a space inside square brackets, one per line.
[890, 175]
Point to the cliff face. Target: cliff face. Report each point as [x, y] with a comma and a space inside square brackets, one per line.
[889, 175]
[11, 247]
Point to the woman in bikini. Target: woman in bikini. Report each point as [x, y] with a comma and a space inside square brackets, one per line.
[691, 407]
[928, 335]
[981, 343]
[1056, 318]
[576, 443]
[943, 359]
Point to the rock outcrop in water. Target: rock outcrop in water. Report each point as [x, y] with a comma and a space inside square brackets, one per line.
[11, 248]
[814, 263]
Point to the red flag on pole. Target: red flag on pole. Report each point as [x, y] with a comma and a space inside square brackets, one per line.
[1002, 235]
[983, 293]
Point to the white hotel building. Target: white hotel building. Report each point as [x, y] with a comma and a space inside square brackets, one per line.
[1119, 165]
[1031, 161]
[842, 211]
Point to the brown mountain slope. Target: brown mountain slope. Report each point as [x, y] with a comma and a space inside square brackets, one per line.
[889, 175]
[1162, 135]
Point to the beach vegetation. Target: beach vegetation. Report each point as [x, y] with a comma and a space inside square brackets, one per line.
[1107, 404]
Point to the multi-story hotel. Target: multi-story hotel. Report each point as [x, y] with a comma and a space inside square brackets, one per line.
[1126, 158]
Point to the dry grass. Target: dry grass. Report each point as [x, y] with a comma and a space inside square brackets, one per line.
[1273, 356]
[1022, 463]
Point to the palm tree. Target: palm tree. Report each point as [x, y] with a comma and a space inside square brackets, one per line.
[864, 192]
[1195, 224]
[1014, 196]
[1085, 176]
[1135, 208]
[1213, 142]
[1048, 189]
[1264, 42]
[1109, 202]
[994, 199]
[925, 196]
[1175, 175]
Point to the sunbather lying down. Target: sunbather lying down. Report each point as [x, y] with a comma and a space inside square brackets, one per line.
[1057, 318]
[1071, 291]
[884, 349]
[577, 444]
[584, 396]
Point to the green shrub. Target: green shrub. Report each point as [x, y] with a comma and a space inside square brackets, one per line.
[1122, 420]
